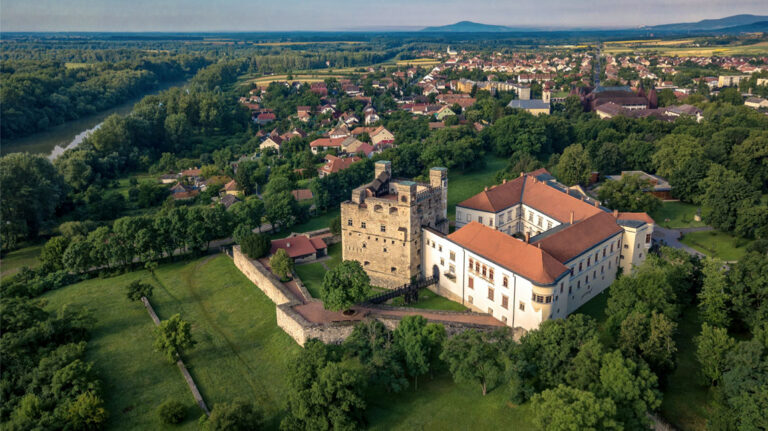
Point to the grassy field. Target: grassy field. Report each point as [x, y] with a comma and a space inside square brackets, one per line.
[418, 62]
[17, 259]
[240, 352]
[311, 274]
[679, 214]
[429, 300]
[317, 222]
[440, 404]
[717, 244]
[335, 42]
[463, 185]
[308, 77]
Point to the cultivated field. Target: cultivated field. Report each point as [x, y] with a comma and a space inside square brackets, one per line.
[760, 48]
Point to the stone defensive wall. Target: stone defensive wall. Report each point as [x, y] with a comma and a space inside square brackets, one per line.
[303, 317]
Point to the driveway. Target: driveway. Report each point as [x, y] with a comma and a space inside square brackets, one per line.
[671, 237]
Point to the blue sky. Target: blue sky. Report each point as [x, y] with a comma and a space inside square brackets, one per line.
[277, 15]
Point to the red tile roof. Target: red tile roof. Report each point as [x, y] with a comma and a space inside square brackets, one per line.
[302, 194]
[524, 259]
[327, 142]
[636, 216]
[573, 240]
[297, 246]
[338, 164]
[232, 186]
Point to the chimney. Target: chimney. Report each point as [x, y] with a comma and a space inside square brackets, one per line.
[571, 217]
[486, 188]
[521, 174]
[504, 181]
[616, 213]
[287, 245]
[527, 237]
[597, 203]
[539, 244]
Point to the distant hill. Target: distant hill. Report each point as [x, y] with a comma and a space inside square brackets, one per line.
[711, 24]
[760, 26]
[468, 27]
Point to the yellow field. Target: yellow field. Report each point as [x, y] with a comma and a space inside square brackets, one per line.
[755, 49]
[341, 42]
[418, 62]
[650, 42]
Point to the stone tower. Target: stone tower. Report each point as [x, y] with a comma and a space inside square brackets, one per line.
[381, 225]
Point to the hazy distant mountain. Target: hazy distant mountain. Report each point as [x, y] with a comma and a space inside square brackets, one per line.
[711, 24]
[469, 27]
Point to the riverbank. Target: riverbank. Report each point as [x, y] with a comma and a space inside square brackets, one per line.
[62, 137]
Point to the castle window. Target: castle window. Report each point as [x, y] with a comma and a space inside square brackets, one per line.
[505, 281]
[490, 293]
[452, 256]
[603, 252]
[385, 249]
[451, 269]
[611, 247]
[609, 264]
[561, 287]
[480, 219]
[570, 289]
[538, 222]
[589, 261]
[587, 279]
[548, 299]
[578, 284]
[392, 210]
[504, 302]
[490, 273]
[477, 266]
[471, 282]
[349, 222]
[440, 248]
[403, 199]
[485, 270]
[580, 263]
[363, 245]
[393, 269]
[383, 228]
[442, 262]
[469, 217]
[362, 225]
[366, 263]
[378, 208]
[597, 256]
[602, 269]
[522, 306]
[648, 238]
[490, 222]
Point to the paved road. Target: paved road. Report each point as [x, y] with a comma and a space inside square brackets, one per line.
[671, 237]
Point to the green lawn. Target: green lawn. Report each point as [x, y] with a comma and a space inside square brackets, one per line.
[464, 184]
[431, 301]
[312, 274]
[686, 401]
[679, 214]
[440, 404]
[12, 262]
[240, 352]
[318, 222]
[717, 244]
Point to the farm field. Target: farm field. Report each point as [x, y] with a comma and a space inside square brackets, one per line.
[754, 49]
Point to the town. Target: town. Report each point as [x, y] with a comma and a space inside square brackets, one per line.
[442, 229]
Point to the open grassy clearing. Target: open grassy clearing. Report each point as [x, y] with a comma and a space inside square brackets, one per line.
[679, 214]
[441, 404]
[464, 184]
[717, 244]
[317, 222]
[418, 62]
[312, 274]
[429, 300]
[240, 352]
[13, 261]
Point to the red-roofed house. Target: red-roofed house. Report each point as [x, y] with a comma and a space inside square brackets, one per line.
[300, 248]
[336, 164]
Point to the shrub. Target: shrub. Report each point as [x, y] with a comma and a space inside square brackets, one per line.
[171, 412]
[255, 245]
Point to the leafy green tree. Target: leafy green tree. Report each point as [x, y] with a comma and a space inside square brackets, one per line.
[344, 286]
[420, 343]
[584, 369]
[137, 290]
[32, 189]
[375, 347]
[87, 412]
[324, 394]
[574, 166]
[171, 412]
[714, 297]
[173, 336]
[748, 281]
[280, 208]
[238, 415]
[281, 263]
[632, 386]
[472, 358]
[565, 408]
[725, 194]
[335, 225]
[628, 194]
[712, 348]
[77, 256]
[52, 254]
[250, 212]
[752, 222]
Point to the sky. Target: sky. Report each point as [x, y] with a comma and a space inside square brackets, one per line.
[285, 15]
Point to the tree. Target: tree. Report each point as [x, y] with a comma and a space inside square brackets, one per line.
[52, 254]
[250, 212]
[281, 263]
[375, 347]
[171, 412]
[324, 394]
[748, 280]
[565, 408]
[335, 225]
[573, 166]
[630, 193]
[420, 343]
[77, 256]
[712, 348]
[472, 358]
[631, 386]
[725, 194]
[87, 412]
[173, 336]
[280, 208]
[752, 222]
[344, 286]
[137, 290]
[714, 297]
[32, 189]
[238, 415]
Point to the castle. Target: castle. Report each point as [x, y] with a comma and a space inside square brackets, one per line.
[524, 251]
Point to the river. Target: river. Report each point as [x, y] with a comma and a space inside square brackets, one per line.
[58, 139]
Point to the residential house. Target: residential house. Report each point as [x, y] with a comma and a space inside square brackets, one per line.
[265, 118]
[335, 164]
[756, 102]
[232, 188]
[301, 248]
[444, 112]
[659, 186]
[322, 144]
[228, 200]
[535, 106]
[302, 195]
[271, 142]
